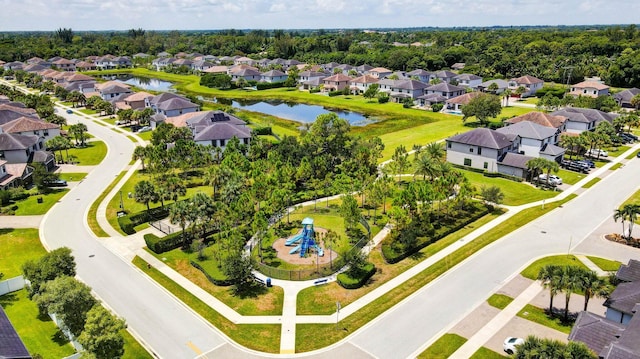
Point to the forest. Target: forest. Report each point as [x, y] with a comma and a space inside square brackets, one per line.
[554, 54]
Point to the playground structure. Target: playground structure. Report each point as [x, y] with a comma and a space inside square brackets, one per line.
[305, 239]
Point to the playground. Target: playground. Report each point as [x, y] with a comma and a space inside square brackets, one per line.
[305, 247]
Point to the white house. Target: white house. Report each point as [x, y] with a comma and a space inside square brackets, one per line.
[480, 148]
[530, 84]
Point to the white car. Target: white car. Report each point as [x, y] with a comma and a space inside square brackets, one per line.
[553, 179]
[596, 152]
[144, 129]
[509, 345]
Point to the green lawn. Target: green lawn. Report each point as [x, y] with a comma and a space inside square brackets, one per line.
[87, 111]
[133, 349]
[533, 269]
[515, 193]
[30, 205]
[39, 334]
[605, 264]
[91, 155]
[570, 177]
[591, 183]
[93, 210]
[484, 353]
[538, 315]
[633, 155]
[499, 301]
[529, 100]
[17, 246]
[72, 176]
[616, 166]
[617, 151]
[634, 198]
[443, 347]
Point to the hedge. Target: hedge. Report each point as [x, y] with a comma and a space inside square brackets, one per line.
[269, 85]
[129, 222]
[348, 282]
[216, 281]
[263, 131]
[391, 256]
[160, 245]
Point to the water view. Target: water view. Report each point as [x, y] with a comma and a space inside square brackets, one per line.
[142, 82]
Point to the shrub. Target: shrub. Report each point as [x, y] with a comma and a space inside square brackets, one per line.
[160, 245]
[263, 131]
[335, 93]
[269, 85]
[222, 282]
[129, 222]
[348, 282]
[436, 107]
[314, 90]
[383, 97]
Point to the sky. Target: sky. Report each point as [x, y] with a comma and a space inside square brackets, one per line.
[48, 15]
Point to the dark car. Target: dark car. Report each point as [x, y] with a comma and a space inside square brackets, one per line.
[69, 111]
[589, 163]
[55, 183]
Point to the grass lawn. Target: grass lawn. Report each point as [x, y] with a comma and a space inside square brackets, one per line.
[499, 301]
[634, 198]
[133, 349]
[529, 100]
[616, 166]
[72, 176]
[570, 177]
[258, 336]
[17, 246]
[443, 347]
[539, 316]
[39, 334]
[484, 353]
[515, 193]
[93, 210]
[635, 154]
[267, 302]
[617, 151]
[605, 264]
[91, 155]
[30, 206]
[533, 269]
[87, 111]
[591, 183]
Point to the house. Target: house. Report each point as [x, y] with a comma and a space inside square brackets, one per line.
[65, 65]
[213, 128]
[456, 103]
[363, 69]
[468, 80]
[362, 83]
[15, 175]
[248, 74]
[583, 119]
[170, 105]
[379, 72]
[623, 98]
[202, 65]
[590, 89]
[444, 76]
[34, 68]
[217, 70]
[445, 90]
[137, 100]
[480, 148]
[629, 272]
[162, 62]
[536, 140]
[16, 148]
[540, 118]
[623, 302]
[273, 76]
[31, 126]
[457, 66]
[309, 75]
[11, 346]
[530, 84]
[244, 61]
[330, 66]
[12, 111]
[501, 86]
[113, 90]
[337, 82]
[420, 75]
[344, 68]
[14, 65]
[86, 66]
[514, 164]
[430, 100]
[399, 90]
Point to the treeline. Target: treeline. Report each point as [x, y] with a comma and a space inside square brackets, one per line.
[553, 54]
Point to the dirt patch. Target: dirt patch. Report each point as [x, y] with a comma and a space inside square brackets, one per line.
[282, 251]
[633, 242]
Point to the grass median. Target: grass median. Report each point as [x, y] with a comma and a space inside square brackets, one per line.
[93, 210]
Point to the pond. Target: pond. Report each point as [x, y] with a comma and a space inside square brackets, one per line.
[145, 83]
[296, 111]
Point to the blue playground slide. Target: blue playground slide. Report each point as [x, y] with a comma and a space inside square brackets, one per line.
[295, 249]
[319, 250]
[294, 239]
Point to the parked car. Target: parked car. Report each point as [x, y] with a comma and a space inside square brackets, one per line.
[589, 163]
[576, 166]
[630, 135]
[69, 111]
[55, 183]
[144, 129]
[120, 122]
[553, 179]
[626, 137]
[510, 344]
[596, 152]
[638, 154]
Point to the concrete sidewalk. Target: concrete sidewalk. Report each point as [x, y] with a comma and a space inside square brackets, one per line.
[20, 221]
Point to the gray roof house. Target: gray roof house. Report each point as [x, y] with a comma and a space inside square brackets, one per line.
[514, 164]
[176, 107]
[502, 85]
[216, 128]
[583, 119]
[444, 75]
[400, 89]
[624, 97]
[629, 272]
[11, 346]
[468, 80]
[445, 89]
[273, 76]
[623, 302]
[480, 148]
[536, 139]
[420, 75]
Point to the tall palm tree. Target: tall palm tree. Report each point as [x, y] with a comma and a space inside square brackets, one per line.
[435, 150]
[140, 153]
[425, 165]
[619, 214]
[591, 285]
[631, 212]
[180, 213]
[550, 276]
[570, 283]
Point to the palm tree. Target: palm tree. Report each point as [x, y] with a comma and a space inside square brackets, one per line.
[180, 213]
[631, 212]
[534, 166]
[550, 276]
[635, 101]
[140, 153]
[59, 143]
[548, 166]
[145, 192]
[435, 150]
[619, 214]
[506, 94]
[570, 283]
[425, 166]
[591, 285]
[330, 239]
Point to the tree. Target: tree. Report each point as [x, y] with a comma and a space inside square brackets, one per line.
[550, 276]
[629, 213]
[425, 165]
[400, 160]
[141, 153]
[619, 214]
[549, 166]
[635, 101]
[145, 192]
[520, 91]
[536, 348]
[56, 263]
[570, 283]
[492, 195]
[493, 88]
[350, 212]
[69, 299]
[79, 132]
[237, 268]
[371, 92]
[181, 213]
[483, 107]
[101, 335]
[59, 143]
[330, 240]
[592, 286]
[506, 94]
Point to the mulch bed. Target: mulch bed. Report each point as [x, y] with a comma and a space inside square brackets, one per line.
[633, 242]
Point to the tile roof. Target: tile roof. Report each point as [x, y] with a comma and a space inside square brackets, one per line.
[222, 131]
[138, 96]
[626, 95]
[464, 99]
[527, 129]
[591, 84]
[629, 272]
[527, 80]
[176, 104]
[540, 118]
[501, 83]
[11, 346]
[338, 78]
[585, 114]
[468, 77]
[24, 124]
[516, 160]
[10, 141]
[552, 150]
[595, 331]
[273, 73]
[445, 87]
[625, 297]
[484, 137]
[365, 79]
[379, 69]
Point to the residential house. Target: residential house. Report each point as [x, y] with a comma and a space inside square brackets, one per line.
[86, 66]
[16, 148]
[219, 69]
[430, 100]
[112, 90]
[330, 66]
[629, 272]
[444, 76]
[244, 61]
[583, 119]
[623, 302]
[536, 140]
[15, 174]
[363, 69]
[399, 90]
[137, 100]
[162, 62]
[164, 54]
[379, 72]
[11, 346]
[14, 65]
[12, 111]
[31, 126]
[202, 65]
[480, 148]
[362, 83]
[65, 65]
[468, 80]
[590, 89]
[170, 105]
[309, 75]
[540, 118]
[182, 62]
[457, 66]
[34, 68]
[420, 75]
[337, 82]
[455, 104]
[247, 74]
[514, 164]
[445, 90]
[502, 85]
[216, 128]
[624, 97]
[272, 76]
[530, 84]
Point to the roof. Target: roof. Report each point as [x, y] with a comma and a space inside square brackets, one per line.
[484, 137]
[626, 95]
[625, 297]
[516, 160]
[629, 272]
[10, 141]
[273, 73]
[526, 129]
[540, 118]
[419, 72]
[527, 80]
[465, 98]
[365, 79]
[552, 150]
[445, 87]
[433, 97]
[79, 77]
[338, 78]
[114, 89]
[11, 346]
[246, 72]
[217, 69]
[468, 77]
[595, 331]
[222, 131]
[444, 74]
[24, 124]
[176, 104]
[404, 84]
[379, 69]
[163, 97]
[577, 114]
[205, 118]
[591, 84]
[138, 96]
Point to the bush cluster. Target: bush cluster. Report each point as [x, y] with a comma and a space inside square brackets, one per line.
[129, 222]
[348, 282]
[269, 85]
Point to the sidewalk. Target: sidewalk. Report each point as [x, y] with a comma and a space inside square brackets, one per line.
[20, 221]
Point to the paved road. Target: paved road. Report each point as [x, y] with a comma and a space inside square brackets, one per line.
[404, 329]
[167, 326]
